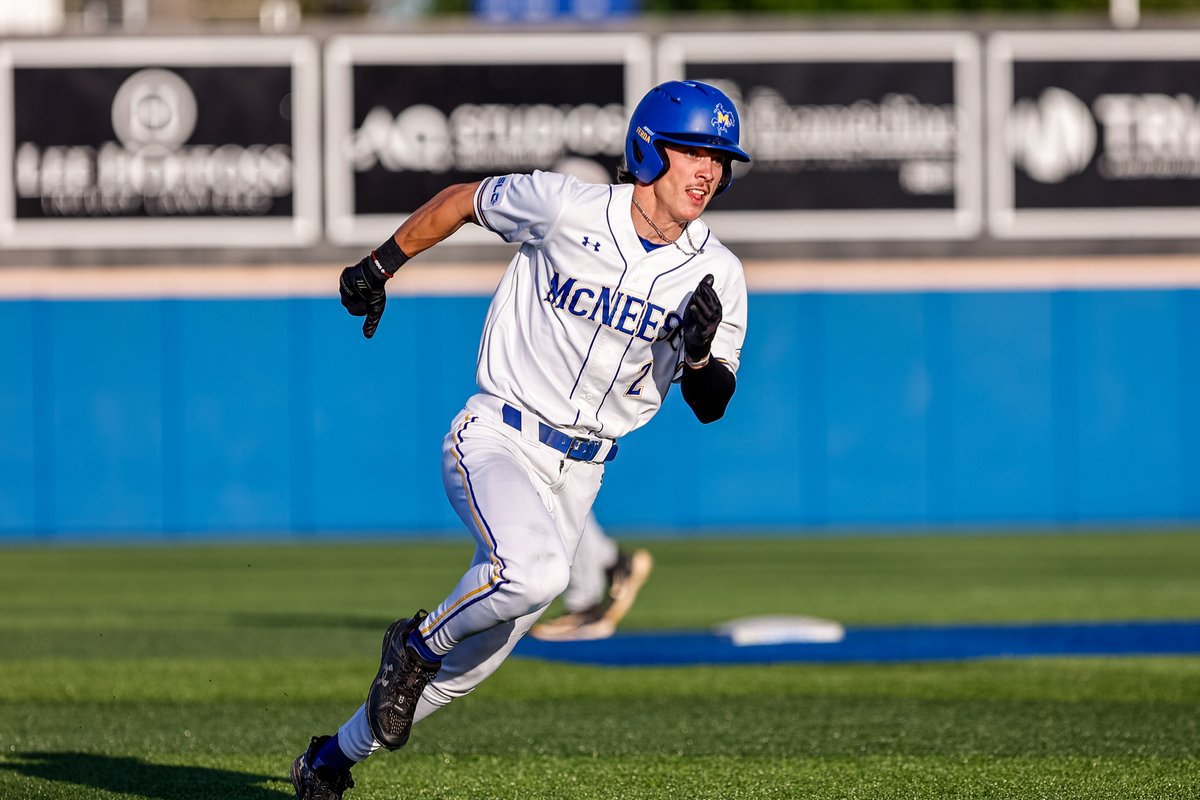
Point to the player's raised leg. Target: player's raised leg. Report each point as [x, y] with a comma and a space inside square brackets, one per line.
[462, 669]
[512, 495]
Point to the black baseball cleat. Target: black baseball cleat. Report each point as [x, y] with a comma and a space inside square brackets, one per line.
[321, 783]
[402, 676]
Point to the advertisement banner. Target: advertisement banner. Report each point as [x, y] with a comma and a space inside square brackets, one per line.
[407, 116]
[1094, 135]
[852, 136]
[159, 142]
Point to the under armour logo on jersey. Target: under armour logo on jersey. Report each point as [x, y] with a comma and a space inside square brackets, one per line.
[594, 245]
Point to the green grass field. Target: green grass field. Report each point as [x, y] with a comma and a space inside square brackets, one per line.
[175, 672]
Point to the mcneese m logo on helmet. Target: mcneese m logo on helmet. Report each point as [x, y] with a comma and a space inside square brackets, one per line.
[722, 120]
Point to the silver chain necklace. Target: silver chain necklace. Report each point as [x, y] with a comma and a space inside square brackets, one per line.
[663, 236]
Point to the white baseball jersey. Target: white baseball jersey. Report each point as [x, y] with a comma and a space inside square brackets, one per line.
[584, 329]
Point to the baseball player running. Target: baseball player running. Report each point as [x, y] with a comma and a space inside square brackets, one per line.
[617, 291]
[604, 582]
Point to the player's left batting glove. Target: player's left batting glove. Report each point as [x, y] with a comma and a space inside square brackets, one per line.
[700, 321]
[361, 286]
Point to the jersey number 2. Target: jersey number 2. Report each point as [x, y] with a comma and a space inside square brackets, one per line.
[635, 388]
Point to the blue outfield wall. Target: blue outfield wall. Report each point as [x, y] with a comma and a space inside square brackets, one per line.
[175, 417]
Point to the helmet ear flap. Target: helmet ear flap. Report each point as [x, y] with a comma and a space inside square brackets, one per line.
[664, 161]
[647, 165]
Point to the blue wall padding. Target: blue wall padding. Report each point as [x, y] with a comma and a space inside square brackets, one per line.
[1189, 404]
[876, 396]
[19, 395]
[377, 411]
[233, 420]
[1128, 373]
[997, 427]
[226, 417]
[100, 459]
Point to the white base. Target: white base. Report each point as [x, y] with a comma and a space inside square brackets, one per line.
[780, 629]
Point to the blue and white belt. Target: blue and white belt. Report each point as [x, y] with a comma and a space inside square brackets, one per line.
[576, 448]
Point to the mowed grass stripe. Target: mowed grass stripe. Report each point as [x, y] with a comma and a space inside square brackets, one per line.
[860, 580]
[307, 679]
[651, 778]
[775, 723]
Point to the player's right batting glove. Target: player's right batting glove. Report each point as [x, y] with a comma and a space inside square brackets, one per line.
[700, 321]
[361, 286]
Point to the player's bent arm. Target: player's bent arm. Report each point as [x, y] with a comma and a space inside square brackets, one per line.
[437, 219]
[362, 286]
[708, 389]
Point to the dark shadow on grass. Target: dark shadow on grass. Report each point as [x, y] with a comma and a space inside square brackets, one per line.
[135, 777]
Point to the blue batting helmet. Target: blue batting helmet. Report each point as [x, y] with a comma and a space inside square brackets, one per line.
[683, 113]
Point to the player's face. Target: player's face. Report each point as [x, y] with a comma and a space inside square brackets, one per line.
[690, 182]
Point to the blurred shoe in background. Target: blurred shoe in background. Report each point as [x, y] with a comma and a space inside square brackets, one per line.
[625, 579]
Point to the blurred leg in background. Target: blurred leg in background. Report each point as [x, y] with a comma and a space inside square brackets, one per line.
[605, 581]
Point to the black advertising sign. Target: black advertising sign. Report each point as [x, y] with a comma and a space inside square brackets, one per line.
[852, 136]
[160, 142]
[215, 141]
[1094, 135]
[407, 115]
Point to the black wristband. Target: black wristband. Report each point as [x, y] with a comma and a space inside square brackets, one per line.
[388, 257]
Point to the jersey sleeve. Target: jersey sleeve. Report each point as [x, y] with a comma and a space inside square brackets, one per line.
[522, 208]
[731, 334]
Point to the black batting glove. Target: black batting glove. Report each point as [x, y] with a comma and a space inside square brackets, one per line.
[362, 293]
[700, 321]
[361, 286]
